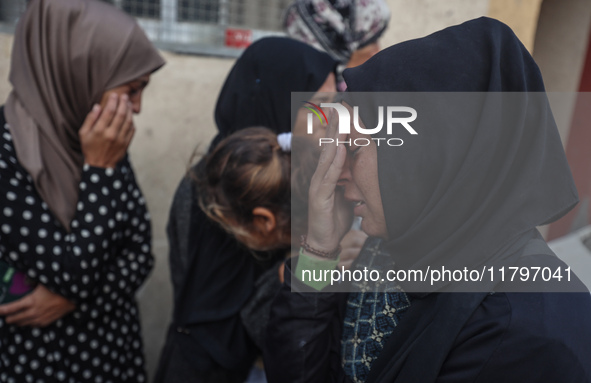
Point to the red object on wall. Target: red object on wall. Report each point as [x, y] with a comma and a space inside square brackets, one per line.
[578, 152]
[238, 38]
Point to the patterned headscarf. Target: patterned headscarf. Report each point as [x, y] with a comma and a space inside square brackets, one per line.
[338, 27]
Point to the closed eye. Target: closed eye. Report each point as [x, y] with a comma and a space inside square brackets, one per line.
[354, 150]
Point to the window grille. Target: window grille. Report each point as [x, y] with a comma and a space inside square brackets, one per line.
[10, 10]
[213, 27]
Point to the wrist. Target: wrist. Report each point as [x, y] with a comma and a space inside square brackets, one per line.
[320, 251]
[99, 164]
[312, 256]
[108, 168]
[319, 243]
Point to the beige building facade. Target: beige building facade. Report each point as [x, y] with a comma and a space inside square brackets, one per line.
[177, 111]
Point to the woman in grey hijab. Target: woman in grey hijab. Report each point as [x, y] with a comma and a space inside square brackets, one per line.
[74, 221]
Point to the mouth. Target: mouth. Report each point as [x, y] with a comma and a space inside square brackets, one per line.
[358, 208]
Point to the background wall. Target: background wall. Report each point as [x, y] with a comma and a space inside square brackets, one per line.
[177, 112]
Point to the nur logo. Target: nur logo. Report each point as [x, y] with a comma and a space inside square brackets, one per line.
[314, 109]
[402, 115]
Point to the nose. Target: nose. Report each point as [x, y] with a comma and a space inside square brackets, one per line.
[345, 176]
[136, 103]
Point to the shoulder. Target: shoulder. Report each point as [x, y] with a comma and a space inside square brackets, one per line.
[536, 336]
[185, 197]
[486, 327]
[529, 316]
[187, 187]
[186, 190]
[543, 273]
[517, 337]
[184, 210]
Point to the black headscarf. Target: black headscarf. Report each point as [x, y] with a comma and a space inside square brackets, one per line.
[465, 190]
[218, 278]
[257, 92]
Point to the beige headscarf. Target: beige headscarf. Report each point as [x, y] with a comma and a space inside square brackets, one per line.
[66, 54]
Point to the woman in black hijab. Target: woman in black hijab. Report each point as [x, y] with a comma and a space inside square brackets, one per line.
[213, 276]
[463, 192]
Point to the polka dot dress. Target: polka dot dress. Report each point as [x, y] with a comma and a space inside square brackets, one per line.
[98, 265]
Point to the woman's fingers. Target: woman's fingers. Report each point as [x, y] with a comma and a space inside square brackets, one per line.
[108, 113]
[329, 150]
[39, 308]
[22, 318]
[331, 162]
[15, 307]
[32, 317]
[128, 129]
[335, 168]
[354, 239]
[352, 243]
[324, 224]
[106, 143]
[36, 320]
[91, 119]
[19, 311]
[115, 128]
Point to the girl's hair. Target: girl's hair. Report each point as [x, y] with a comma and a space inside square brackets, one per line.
[246, 170]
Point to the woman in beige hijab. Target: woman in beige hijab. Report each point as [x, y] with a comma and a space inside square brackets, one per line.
[72, 218]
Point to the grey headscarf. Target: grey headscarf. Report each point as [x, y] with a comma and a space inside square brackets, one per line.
[66, 54]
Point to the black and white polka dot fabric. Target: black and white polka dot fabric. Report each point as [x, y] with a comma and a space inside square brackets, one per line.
[99, 266]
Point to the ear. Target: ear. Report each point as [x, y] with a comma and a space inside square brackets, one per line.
[264, 219]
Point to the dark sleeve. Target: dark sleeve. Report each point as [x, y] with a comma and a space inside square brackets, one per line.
[108, 249]
[177, 230]
[255, 312]
[523, 337]
[303, 336]
[477, 341]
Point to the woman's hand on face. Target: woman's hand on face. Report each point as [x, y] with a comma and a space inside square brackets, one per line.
[327, 223]
[40, 308]
[351, 244]
[107, 133]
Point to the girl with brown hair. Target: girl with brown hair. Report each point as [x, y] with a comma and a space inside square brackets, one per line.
[214, 277]
[244, 185]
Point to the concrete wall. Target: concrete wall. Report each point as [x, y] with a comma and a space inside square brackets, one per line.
[417, 18]
[560, 47]
[177, 118]
[561, 42]
[178, 109]
[520, 15]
